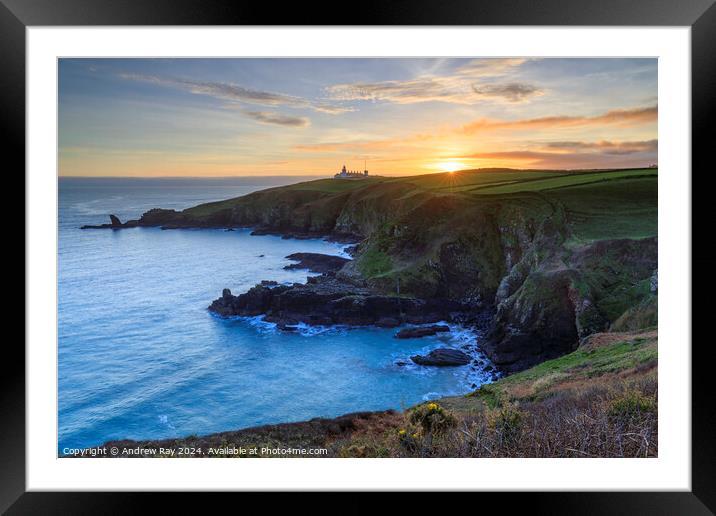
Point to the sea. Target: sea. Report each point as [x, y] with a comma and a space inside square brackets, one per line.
[139, 356]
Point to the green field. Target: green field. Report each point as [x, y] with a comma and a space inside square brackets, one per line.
[598, 204]
[466, 180]
[625, 208]
[564, 180]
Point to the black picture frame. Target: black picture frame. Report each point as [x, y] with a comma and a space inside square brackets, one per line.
[700, 15]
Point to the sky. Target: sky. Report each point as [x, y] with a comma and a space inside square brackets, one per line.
[253, 117]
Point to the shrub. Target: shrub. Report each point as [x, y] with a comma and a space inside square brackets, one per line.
[631, 405]
[432, 418]
[409, 440]
[507, 423]
[487, 393]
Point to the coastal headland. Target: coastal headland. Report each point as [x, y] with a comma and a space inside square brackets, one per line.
[545, 261]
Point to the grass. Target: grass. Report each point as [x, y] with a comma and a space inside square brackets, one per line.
[464, 180]
[588, 362]
[335, 185]
[374, 263]
[566, 180]
[626, 208]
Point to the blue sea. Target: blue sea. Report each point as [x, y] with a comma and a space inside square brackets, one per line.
[141, 357]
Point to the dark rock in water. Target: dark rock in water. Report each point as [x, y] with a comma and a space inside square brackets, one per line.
[261, 255]
[327, 300]
[442, 357]
[487, 368]
[287, 327]
[415, 333]
[229, 229]
[115, 223]
[226, 293]
[401, 363]
[167, 219]
[269, 283]
[316, 262]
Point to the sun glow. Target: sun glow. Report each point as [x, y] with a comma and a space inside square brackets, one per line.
[450, 166]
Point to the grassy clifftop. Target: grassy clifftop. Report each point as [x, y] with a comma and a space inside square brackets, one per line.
[624, 201]
[486, 218]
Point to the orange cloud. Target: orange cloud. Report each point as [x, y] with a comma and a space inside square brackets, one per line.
[600, 154]
[607, 147]
[621, 117]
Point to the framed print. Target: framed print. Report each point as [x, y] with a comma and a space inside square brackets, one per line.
[424, 251]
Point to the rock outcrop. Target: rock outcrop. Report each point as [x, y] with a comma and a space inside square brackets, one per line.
[114, 223]
[534, 324]
[442, 357]
[316, 262]
[545, 306]
[416, 333]
[328, 300]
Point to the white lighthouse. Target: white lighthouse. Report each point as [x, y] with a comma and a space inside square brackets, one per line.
[351, 174]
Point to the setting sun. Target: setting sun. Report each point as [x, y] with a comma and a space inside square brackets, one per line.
[450, 166]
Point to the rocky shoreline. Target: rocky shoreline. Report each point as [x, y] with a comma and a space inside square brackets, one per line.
[327, 300]
[438, 258]
[330, 299]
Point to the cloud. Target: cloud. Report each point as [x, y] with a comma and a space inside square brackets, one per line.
[555, 160]
[607, 147]
[236, 93]
[490, 67]
[267, 117]
[512, 92]
[622, 117]
[578, 154]
[456, 88]
[400, 92]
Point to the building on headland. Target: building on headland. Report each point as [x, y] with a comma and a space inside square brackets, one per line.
[351, 174]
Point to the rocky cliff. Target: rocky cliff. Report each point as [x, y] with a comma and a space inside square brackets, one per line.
[522, 255]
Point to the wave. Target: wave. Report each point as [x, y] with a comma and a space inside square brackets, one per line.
[259, 323]
[478, 372]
